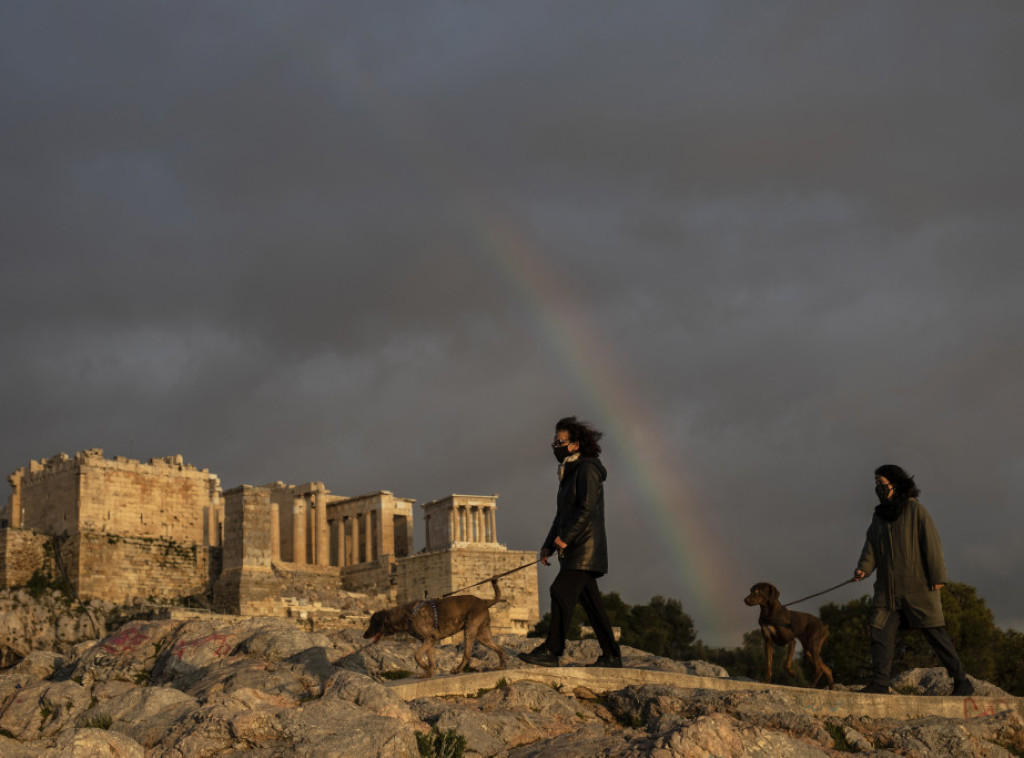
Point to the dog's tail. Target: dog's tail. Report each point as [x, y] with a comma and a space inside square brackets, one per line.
[497, 592]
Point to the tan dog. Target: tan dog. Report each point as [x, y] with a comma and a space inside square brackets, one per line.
[782, 627]
[435, 619]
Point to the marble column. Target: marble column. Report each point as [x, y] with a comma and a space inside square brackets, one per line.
[275, 533]
[323, 537]
[338, 540]
[212, 526]
[369, 535]
[299, 530]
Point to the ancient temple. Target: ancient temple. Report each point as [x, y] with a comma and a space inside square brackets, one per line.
[124, 529]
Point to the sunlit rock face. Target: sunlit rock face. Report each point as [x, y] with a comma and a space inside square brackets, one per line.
[224, 685]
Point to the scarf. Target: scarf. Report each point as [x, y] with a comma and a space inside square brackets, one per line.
[561, 466]
[890, 509]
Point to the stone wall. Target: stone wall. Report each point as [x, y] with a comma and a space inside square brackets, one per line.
[437, 573]
[118, 568]
[163, 498]
[312, 584]
[372, 578]
[127, 529]
[22, 553]
[163, 529]
[247, 584]
[47, 495]
[370, 527]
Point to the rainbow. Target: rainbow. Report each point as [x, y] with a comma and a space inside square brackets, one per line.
[706, 570]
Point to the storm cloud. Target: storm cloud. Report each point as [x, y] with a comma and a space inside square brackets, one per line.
[765, 247]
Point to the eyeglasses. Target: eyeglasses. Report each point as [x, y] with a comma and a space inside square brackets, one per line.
[560, 443]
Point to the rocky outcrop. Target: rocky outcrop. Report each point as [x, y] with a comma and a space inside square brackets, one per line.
[48, 621]
[228, 686]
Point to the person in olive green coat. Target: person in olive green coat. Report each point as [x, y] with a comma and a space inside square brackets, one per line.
[904, 546]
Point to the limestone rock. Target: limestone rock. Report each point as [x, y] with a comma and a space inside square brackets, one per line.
[49, 622]
[1001, 734]
[10, 748]
[130, 653]
[337, 728]
[146, 714]
[521, 713]
[366, 693]
[591, 740]
[276, 640]
[935, 681]
[95, 743]
[36, 665]
[255, 687]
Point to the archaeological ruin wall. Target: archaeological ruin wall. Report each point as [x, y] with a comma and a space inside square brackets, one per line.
[372, 532]
[125, 529]
[160, 530]
[462, 549]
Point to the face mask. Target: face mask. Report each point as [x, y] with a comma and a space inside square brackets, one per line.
[882, 490]
[561, 453]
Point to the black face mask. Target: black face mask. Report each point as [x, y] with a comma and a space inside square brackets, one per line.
[561, 453]
[882, 490]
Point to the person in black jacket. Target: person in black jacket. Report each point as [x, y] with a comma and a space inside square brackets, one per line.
[578, 536]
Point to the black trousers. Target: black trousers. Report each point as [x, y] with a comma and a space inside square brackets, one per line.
[572, 586]
[883, 645]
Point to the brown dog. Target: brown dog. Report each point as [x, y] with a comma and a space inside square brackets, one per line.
[435, 619]
[782, 627]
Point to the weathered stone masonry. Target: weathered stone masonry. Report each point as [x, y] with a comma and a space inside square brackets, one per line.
[163, 529]
[126, 529]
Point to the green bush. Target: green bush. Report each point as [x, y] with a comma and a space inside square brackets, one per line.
[440, 744]
[95, 722]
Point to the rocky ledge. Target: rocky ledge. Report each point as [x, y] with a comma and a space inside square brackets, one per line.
[227, 686]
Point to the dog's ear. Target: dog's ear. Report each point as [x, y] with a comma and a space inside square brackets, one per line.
[773, 593]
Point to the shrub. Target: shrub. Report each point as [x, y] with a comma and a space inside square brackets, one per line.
[440, 744]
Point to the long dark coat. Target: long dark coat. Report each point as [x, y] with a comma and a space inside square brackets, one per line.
[579, 520]
[908, 555]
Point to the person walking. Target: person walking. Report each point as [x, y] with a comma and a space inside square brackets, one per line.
[578, 536]
[903, 544]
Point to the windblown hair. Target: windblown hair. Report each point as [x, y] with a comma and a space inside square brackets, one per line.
[583, 433]
[902, 482]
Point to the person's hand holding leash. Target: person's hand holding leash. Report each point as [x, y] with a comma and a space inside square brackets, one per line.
[545, 553]
[561, 545]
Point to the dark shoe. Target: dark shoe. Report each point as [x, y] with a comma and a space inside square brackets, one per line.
[963, 688]
[608, 661]
[876, 689]
[540, 656]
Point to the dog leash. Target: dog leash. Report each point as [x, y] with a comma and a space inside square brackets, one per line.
[497, 576]
[843, 584]
[490, 578]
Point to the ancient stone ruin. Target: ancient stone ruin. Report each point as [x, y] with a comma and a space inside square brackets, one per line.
[120, 530]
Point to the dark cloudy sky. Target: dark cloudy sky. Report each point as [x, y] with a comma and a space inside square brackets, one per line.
[765, 246]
